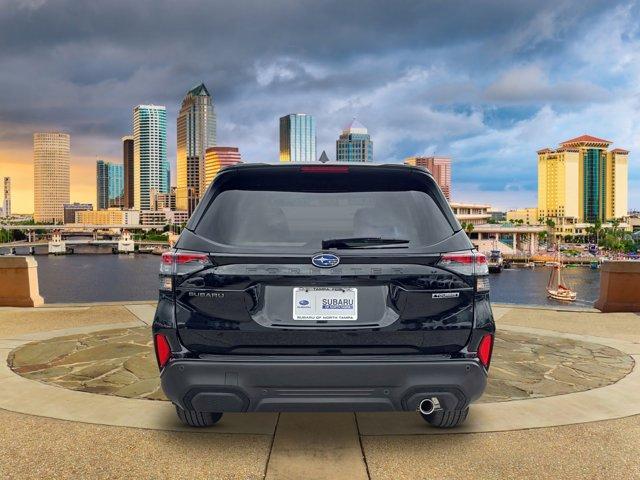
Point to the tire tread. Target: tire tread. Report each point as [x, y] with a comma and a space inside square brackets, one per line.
[446, 418]
[197, 419]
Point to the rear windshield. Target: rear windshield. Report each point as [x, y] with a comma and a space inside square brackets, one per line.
[262, 220]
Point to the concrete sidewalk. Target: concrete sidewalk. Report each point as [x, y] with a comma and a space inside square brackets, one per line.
[326, 445]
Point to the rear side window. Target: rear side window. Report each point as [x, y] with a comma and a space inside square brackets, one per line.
[291, 221]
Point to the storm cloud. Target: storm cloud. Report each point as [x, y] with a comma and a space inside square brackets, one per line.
[487, 82]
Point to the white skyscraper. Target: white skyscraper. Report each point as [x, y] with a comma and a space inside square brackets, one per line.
[7, 197]
[150, 164]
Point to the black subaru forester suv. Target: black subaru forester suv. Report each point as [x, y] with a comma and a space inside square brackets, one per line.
[323, 287]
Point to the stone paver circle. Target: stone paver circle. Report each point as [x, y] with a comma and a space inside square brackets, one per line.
[121, 362]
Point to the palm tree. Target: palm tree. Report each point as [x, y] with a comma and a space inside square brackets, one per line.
[5, 235]
[597, 229]
[550, 226]
[468, 228]
[615, 223]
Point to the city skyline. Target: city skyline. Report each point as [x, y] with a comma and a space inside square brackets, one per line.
[488, 95]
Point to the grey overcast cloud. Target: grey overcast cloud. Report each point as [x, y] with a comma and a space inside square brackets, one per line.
[486, 82]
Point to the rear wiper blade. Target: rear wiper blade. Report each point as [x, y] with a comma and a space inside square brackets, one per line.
[361, 242]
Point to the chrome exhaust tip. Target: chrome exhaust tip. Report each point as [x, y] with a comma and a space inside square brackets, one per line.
[428, 406]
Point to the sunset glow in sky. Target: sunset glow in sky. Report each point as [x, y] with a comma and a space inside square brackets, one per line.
[487, 83]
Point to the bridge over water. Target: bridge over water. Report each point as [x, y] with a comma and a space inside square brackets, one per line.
[78, 227]
[24, 243]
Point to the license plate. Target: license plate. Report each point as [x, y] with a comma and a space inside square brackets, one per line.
[325, 303]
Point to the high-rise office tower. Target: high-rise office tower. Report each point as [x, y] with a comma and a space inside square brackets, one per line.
[116, 185]
[216, 158]
[440, 168]
[127, 163]
[297, 138]
[196, 131]
[150, 165]
[583, 182]
[51, 158]
[102, 185]
[109, 185]
[7, 197]
[354, 144]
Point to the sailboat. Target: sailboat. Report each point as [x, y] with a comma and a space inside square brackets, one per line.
[556, 288]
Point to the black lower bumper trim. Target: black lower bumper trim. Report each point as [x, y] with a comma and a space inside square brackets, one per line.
[353, 385]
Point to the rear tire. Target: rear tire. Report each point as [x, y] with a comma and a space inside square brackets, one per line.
[446, 418]
[198, 419]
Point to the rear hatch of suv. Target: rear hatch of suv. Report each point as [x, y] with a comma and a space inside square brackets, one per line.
[323, 260]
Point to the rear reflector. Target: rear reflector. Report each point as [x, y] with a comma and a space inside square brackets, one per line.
[163, 350]
[166, 283]
[324, 169]
[485, 349]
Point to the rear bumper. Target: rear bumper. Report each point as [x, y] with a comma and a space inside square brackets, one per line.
[275, 384]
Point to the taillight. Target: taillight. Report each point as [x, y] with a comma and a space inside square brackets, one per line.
[179, 263]
[482, 267]
[181, 258]
[163, 350]
[482, 273]
[167, 258]
[166, 264]
[465, 263]
[482, 284]
[485, 349]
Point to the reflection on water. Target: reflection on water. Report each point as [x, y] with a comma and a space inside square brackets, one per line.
[528, 286]
[102, 278]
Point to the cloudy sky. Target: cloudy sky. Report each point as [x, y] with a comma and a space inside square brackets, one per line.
[486, 82]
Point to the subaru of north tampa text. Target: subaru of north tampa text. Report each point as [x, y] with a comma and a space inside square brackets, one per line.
[323, 287]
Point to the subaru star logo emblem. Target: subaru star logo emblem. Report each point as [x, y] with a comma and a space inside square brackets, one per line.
[325, 260]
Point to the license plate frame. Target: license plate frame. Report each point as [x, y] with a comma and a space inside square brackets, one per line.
[325, 304]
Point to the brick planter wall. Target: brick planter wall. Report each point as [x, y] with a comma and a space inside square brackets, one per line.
[619, 287]
[19, 282]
